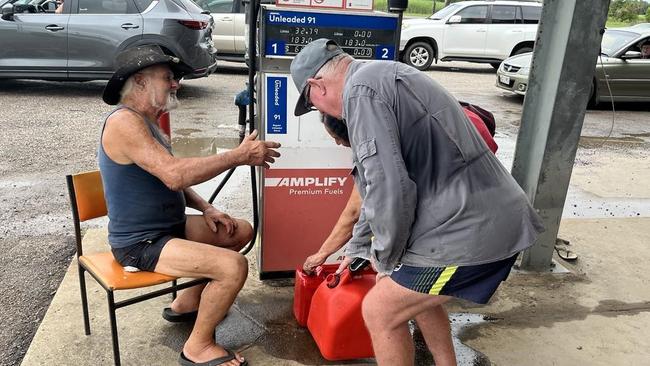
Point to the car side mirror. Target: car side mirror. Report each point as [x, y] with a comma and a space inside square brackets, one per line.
[631, 55]
[8, 12]
[454, 19]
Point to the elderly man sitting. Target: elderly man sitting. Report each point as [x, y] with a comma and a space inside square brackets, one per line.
[147, 190]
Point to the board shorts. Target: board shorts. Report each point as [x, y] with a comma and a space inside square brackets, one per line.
[474, 283]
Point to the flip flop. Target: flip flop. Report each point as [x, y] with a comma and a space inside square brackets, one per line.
[174, 317]
[566, 254]
[184, 361]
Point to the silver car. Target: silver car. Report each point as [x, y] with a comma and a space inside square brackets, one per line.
[80, 41]
[230, 27]
[628, 69]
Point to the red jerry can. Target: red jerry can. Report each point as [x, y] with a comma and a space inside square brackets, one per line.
[335, 319]
[163, 123]
[304, 288]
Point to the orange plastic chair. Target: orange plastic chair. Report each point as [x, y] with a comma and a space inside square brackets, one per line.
[87, 201]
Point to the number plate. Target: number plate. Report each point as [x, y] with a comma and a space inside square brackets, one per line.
[504, 79]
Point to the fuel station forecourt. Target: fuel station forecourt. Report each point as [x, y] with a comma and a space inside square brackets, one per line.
[569, 313]
[309, 186]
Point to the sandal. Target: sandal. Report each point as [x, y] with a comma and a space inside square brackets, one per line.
[566, 254]
[174, 317]
[184, 361]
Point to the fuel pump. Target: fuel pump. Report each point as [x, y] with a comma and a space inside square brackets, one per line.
[303, 193]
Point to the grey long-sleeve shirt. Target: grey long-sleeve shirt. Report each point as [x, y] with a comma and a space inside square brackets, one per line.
[433, 193]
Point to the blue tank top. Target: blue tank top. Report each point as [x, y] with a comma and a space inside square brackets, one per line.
[140, 206]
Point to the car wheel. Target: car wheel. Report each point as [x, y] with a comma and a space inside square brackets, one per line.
[419, 55]
[523, 50]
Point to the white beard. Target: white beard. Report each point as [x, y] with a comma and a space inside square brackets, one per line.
[170, 104]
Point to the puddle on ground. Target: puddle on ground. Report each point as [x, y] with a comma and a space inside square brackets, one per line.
[268, 322]
[465, 355]
[590, 142]
[201, 146]
[583, 204]
[646, 134]
[292, 342]
[186, 131]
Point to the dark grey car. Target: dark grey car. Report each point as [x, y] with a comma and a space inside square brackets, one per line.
[81, 42]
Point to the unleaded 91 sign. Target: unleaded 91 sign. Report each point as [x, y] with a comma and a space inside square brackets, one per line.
[372, 37]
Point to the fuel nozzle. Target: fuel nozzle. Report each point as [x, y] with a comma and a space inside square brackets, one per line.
[242, 100]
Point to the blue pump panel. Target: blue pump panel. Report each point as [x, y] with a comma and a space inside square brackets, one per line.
[371, 36]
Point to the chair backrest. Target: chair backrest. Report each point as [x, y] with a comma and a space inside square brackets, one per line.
[86, 200]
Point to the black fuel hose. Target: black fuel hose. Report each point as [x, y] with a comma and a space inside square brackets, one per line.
[241, 101]
[253, 10]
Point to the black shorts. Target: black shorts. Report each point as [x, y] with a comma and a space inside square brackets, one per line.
[474, 283]
[145, 254]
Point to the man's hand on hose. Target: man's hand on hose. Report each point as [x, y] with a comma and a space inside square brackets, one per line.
[212, 217]
[256, 152]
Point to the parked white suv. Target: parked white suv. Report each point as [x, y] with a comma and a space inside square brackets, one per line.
[229, 34]
[475, 31]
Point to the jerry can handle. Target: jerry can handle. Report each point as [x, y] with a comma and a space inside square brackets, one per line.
[334, 279]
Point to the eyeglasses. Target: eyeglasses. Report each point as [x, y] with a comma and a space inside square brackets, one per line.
[308, 104]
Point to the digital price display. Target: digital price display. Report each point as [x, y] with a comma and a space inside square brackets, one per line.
[286, 32]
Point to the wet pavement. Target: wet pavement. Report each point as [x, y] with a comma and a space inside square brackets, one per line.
[593, 315]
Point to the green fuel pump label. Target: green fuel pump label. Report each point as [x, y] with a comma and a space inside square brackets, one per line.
[276, 105]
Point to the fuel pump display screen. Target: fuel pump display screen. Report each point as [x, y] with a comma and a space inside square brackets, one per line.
[362, 36]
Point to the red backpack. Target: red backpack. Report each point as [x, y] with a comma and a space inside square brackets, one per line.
[486, 116]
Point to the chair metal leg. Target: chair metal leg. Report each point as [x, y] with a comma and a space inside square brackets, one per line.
[174, 293]
[84, 299]
[111, 314]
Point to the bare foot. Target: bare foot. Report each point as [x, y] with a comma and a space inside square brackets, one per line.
[208, 353]
[181, 307]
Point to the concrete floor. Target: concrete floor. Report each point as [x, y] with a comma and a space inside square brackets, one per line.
[597, 314]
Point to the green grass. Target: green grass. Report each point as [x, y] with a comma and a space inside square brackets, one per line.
[416, 7]
[611, 23]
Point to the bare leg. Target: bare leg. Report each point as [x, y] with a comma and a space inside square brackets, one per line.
[227, 270]
[386, 310]
[197, 230]
[434, 325]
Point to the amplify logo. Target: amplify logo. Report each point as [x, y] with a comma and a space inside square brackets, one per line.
[308, 185]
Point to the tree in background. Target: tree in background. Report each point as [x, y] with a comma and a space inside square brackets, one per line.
[627, 10]
[647, 15]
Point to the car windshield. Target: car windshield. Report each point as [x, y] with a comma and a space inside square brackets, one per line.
[613, 40]
[445, 11]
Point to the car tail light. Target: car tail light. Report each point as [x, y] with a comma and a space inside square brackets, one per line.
[194, 24]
